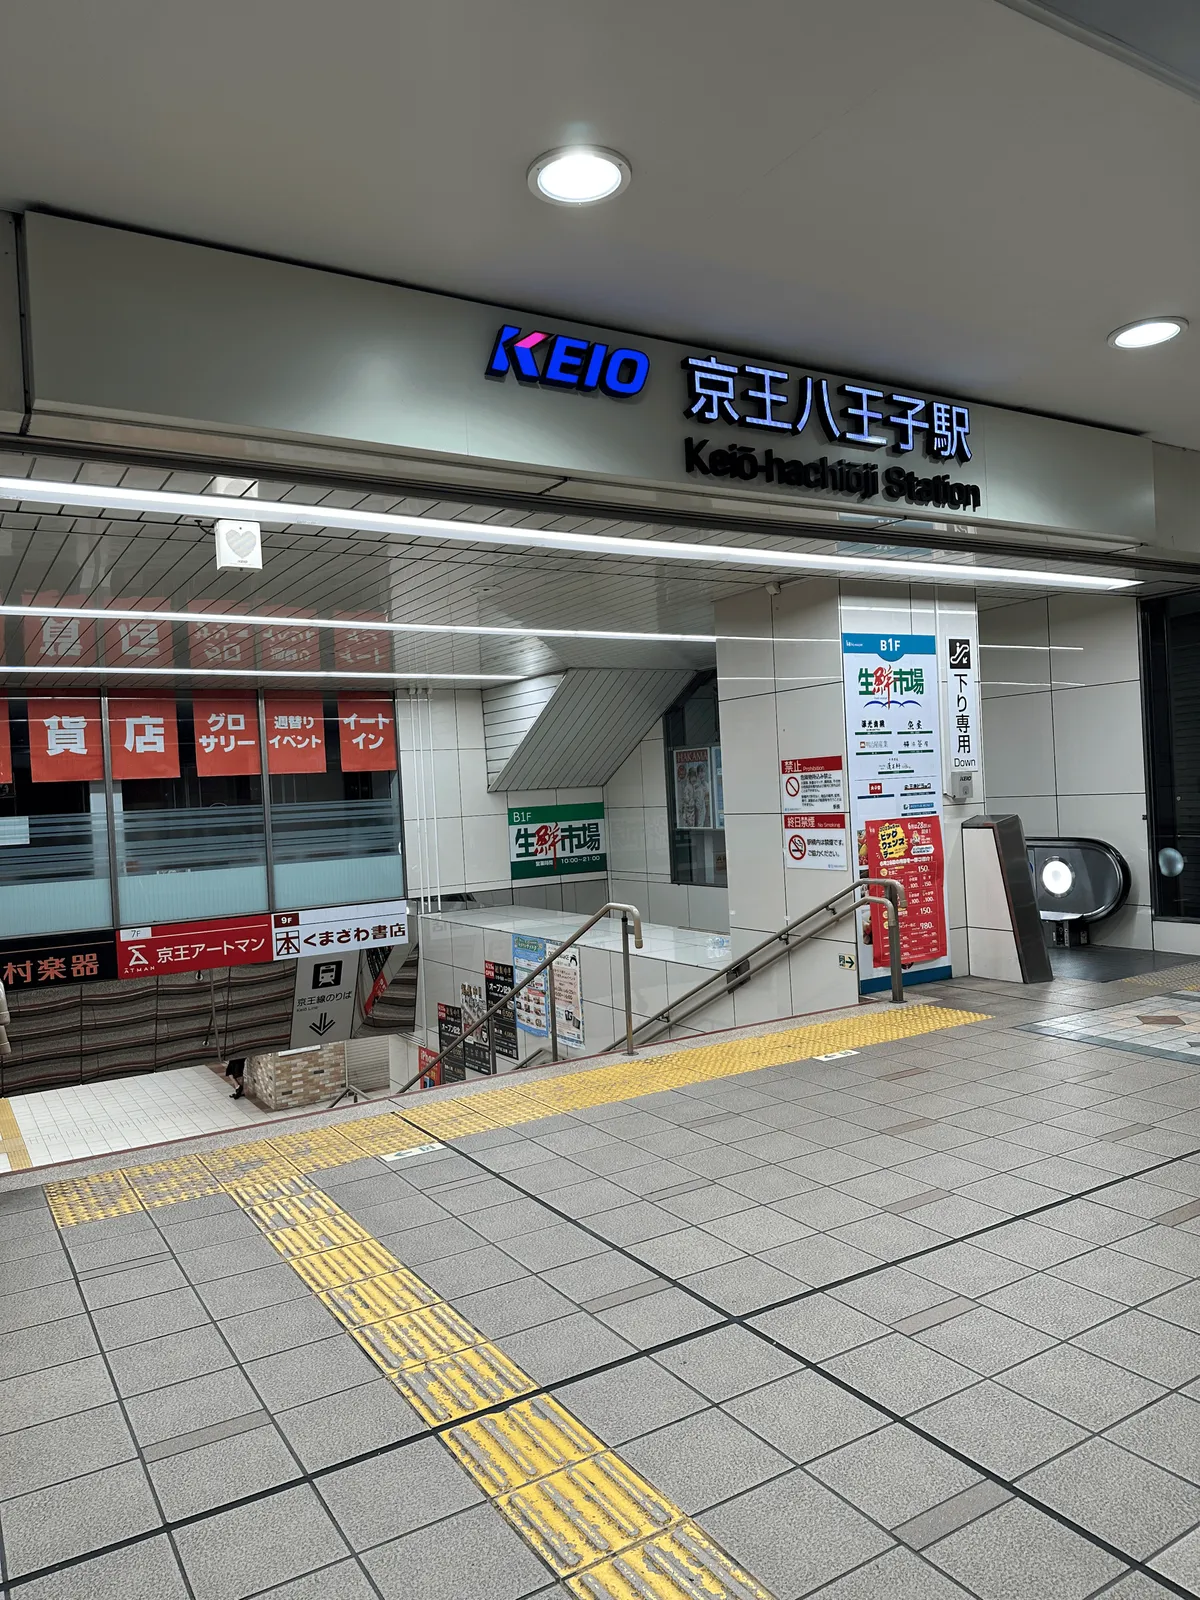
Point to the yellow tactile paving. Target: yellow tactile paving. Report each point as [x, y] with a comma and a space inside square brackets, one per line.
[286, 1211]
[12, 1143]
[163, 1183]
[332, 1268]
[390, 1294]
[682, 1564]
[457, 1386]
[322, 1147]
[322, 1233]
[418, 1337]
[92, 1199]
[518, 1446]
[587, 1512]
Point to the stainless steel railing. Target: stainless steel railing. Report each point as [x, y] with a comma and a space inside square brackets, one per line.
[629, 915]
[783, 943]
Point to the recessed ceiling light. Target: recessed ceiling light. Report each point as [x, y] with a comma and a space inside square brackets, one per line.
[1152, 330]
[579, 175]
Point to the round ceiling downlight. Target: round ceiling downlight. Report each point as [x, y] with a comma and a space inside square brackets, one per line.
[579, 175]
[1150, 331]
[1057, 877]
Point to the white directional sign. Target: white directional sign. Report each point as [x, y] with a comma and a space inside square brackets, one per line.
[323, 1000]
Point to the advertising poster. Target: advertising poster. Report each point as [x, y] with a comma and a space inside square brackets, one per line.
[718, 788]
[813, 783]
[815, 839]
[894, 772]
[556, 841]
[498, 982]
[568, 997]
[911, 852]
[693, 789]
[431, 1076]
[475, 1045]
[449, 1030]
[529, 953]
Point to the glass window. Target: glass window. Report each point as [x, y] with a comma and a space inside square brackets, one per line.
[53, 831]
[1171, 679]
[335, 835]
[188, 847]
[695, 789]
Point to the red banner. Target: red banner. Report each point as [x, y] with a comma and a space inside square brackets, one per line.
[193, 946]
[290, 647]
[295, 735]
[226, 729]
[367, 734]
[143, 738]
[5, 745]
[909, 849]
[65, 742]
[56, 640]
[362, 649]
[138, 642]
[220, 644]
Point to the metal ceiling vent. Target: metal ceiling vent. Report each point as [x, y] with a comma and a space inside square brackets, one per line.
[574, 730]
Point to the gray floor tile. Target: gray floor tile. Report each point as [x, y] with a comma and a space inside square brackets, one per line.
[51, 1452]
[804, 1415]
[759, 1529]
[34, 1272]
[283, 1327]
[630, 1400]
[893, 1475]
[54, 1392]
[155, 1318]
[689, 1250]
[565, 1348]
[1139, 1587]
[556, 1246]
[767, 1184]
[339, 1426]
[32, 1307]
[309, 1373]
[757, 1229]
[598, 1275]
[434, 1241]
[1181, 1306]
[969, 1269]
[227, 1260]
[1181, 1562]
[471, 1270]
[1130, 1502]
[135, 1573]
[250, 1291]
[901, 1373]
[726, 1362]
[510, 1307]
[743, 1286]
[1052, 1306]
[1081, 1386]
[985, 1341]
[899, 1575]
[395, 1493]
[345, 1580]
[703, 1459]
[893, 1295]
[1015, 1553]
[634, 1223]
[72, 1519]
[228, 1227]
[39, 1346]
[819, 1259]
[208, 1477]
[1002, 1430]
[819, 1326]
[1167, 1433]
[654, 1318]
[268, 1542]
[1118, 1276]
[195, 1403]
[1146, 1345]
[134, 1244]
[1033, 1244]
[474, 1555]
[138, 1368]
[889, 1237]
[515, 1216]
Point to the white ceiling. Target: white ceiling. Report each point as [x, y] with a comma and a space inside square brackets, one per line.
[938, 191]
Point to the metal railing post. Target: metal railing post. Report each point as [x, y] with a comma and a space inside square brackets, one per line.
[491, 1032]
[553, 1009]
[628, 984]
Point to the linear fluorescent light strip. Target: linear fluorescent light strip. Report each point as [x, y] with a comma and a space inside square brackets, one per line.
[209, 507]
[254, 672]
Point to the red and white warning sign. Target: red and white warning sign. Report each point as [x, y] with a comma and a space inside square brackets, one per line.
[813, 783]
[815, 839]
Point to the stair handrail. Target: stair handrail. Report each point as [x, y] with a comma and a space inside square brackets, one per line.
[892, 900]
[628, 914]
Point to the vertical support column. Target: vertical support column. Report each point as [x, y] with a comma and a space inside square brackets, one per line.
[110, 815]
[261, 702]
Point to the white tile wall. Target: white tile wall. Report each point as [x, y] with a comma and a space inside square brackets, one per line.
[1062, 733]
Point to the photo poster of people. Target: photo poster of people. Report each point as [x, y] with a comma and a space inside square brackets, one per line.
[694, 799]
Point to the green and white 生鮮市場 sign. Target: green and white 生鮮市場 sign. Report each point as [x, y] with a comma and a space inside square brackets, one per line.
[557, 840]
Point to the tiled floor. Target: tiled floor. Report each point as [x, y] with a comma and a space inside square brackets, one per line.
[920, 1323]
[125, 1113]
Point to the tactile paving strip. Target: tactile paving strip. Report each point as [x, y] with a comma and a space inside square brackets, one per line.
[683, 1564]
[104, 1194]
